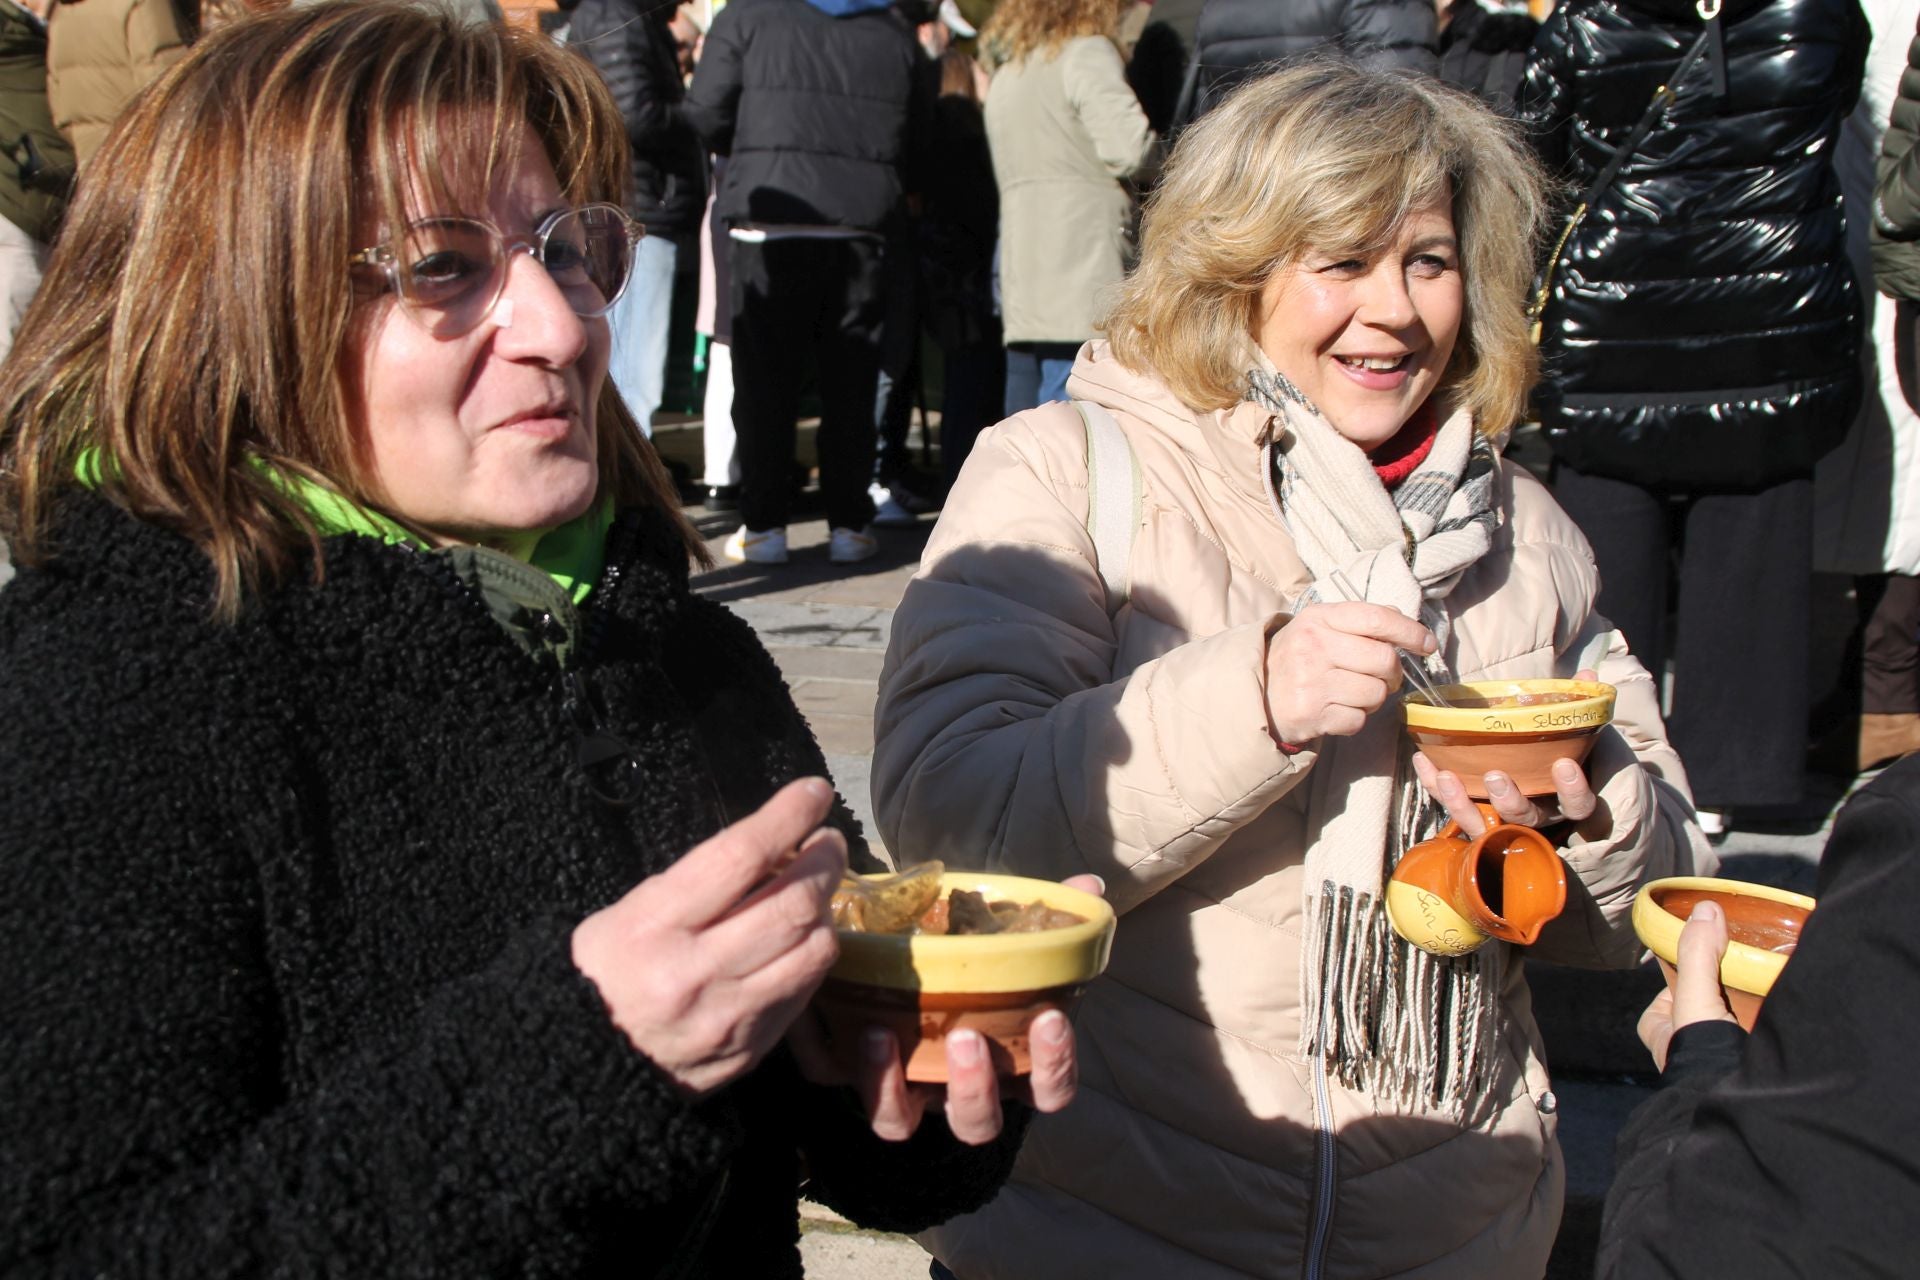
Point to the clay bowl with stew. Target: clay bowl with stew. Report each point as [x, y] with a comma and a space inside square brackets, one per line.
[1518, 727]
[1763, 927]
[921, 987]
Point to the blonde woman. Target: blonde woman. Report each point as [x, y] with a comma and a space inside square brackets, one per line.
[403, 872]
[1067, 135]
[1313, 367]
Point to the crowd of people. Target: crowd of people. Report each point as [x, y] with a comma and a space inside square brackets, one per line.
[404, 870]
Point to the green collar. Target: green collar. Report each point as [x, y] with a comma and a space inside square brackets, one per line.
[572, 554]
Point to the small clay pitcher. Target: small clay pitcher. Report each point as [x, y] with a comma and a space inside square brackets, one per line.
[1450, 894]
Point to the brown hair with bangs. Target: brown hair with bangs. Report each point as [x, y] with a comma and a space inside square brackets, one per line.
[192, 336]
[1019, 28]
[1324, 156]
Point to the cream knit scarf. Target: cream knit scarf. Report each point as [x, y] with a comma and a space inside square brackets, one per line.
[1387, 1017]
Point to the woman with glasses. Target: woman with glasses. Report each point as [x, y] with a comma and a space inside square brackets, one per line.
[401, 871]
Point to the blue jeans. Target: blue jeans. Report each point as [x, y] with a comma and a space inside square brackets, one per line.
[1037, 372]
[642, 321]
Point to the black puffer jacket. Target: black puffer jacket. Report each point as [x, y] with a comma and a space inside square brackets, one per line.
[286, 912]
[1484, 51]
[630, 44]
[819, 115]
[1703, 327]
[1236, 38]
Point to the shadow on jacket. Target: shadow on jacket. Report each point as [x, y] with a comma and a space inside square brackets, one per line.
[1236, 39]
[819, 112]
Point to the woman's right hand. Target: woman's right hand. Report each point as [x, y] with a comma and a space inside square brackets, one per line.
[705, 965]
[1331, 665]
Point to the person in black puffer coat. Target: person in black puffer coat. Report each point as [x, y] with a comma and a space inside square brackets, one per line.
[636, 50]
[1700, 347]
[1236, 39]
[821, 108]
[368, 900]
[1483, 49]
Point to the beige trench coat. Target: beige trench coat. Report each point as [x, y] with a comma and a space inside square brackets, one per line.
[1066, 133]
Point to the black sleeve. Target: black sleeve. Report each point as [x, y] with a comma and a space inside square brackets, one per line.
[712, 106]
[1802, 1161]
[170, 1105]
[899, 1186]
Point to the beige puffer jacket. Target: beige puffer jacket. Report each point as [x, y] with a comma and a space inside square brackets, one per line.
[99, 54]
[1022, 729]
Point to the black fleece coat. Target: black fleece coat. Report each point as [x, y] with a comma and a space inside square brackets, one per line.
[628, 41]
[1703, 327]
[822, 119]
[1796, 1157]
[285, 921]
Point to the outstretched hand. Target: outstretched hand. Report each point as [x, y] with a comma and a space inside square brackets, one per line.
[973, 1093]
[1694, 995]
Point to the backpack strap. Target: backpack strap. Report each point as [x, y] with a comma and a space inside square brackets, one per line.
[1113, 499]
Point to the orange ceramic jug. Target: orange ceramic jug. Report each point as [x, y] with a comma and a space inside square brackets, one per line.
[1450, 894]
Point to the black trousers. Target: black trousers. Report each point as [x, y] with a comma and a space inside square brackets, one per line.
[1739, 567]
[796, 301]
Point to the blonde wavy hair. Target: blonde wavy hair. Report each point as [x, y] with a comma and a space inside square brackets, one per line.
[1325, 156]
[192, 337]
[1020, 28]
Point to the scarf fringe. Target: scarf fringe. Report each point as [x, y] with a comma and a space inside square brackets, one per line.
[1411, 1028]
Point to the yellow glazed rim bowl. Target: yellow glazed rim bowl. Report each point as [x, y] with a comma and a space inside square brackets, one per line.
[986, 963]
[1590, 712]
[1744, 968]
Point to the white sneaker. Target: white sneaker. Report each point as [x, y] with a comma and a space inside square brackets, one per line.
[847, 546]
[744, 546]
[1713, 822]
[888, 511]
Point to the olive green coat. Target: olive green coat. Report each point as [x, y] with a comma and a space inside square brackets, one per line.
[34, 159]
[1896, 197]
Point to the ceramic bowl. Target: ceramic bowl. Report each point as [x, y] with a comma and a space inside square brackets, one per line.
[1482, 731]
[921, 988]
[1763, 926]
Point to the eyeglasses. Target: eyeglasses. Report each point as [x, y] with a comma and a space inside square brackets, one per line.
[450, 272]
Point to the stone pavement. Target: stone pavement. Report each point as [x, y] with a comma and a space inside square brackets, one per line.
[827, 627]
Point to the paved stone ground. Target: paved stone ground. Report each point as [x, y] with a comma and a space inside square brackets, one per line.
[827, 627]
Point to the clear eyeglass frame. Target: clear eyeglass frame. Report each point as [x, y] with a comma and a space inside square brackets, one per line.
[432, 266]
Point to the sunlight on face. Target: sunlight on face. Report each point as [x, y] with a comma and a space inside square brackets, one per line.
[487, 437]
[1369, 338]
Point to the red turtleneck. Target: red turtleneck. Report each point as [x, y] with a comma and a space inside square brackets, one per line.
[1395, 460]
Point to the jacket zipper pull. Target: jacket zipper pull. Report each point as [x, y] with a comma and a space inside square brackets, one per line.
[603, 762]
[1709, 11]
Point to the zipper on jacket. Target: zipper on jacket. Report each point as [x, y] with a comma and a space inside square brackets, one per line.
[603, 760]
[1326, 1173]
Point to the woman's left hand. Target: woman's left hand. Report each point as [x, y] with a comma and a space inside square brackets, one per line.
[972, 1095]
[1574, 799]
